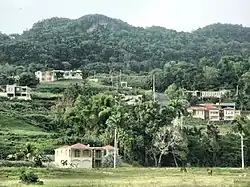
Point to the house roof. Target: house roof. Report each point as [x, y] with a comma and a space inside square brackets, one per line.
[83, 146]
[228, 108]
[196, 108]
[108, 147]
[78, 146]
[226, 104]
[208, 106]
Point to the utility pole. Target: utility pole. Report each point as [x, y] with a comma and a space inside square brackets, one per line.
[154, 88]
[242, 150]
[112, 80]
[111, 77]
[115, 147]
[237, 90]
[120, 77]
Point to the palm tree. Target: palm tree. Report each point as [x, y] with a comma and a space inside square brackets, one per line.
[239, 125]
[177, 100]
[179, 106]
[29, 152]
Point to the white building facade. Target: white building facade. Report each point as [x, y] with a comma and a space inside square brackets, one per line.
[50, 76]
[16, 92]
[81, 156]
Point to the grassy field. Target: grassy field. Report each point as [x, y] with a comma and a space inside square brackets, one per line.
[61, 82]
[121, 177]
[18, 126]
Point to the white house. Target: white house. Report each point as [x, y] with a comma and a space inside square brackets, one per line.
[208, 94]
[16, 92]
[197, 112]
[214, 112]
[49, 76]
[81, 156]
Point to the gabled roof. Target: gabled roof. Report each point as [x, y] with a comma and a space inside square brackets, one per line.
[208, 106]
[78, 146]
[82, 146]
[196, 108]
[108, 147]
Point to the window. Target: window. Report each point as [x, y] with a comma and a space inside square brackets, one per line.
[214, 113]
[77, 153]
[86, 153]
[98, 154]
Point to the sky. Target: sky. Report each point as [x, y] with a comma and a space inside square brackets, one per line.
[181, 15]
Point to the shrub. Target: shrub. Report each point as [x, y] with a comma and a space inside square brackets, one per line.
[30, 178]
[5, 163]
[108, 161]
[136, 164]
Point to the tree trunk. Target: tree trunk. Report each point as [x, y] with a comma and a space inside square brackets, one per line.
[214, 158]
[176, 164]
[159, 161]
[155, 159]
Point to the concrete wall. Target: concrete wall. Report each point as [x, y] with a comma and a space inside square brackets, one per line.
[72, 161]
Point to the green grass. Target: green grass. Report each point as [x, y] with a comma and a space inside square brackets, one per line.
[15, 125]
[16, 131]
[45, 95]
[62, 82]
[121, 177]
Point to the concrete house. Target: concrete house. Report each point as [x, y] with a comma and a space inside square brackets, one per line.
[228, 111]
[50, 76]
[214, 112]
[197, 112]
[46, 76]
[81, 156]
[17, 92]
[71, 74]
[208, 94]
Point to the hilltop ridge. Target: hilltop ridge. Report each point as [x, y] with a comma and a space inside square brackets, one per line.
[97, 40]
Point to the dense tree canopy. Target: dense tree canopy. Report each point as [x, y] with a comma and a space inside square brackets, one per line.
[100, 41]
[214, 57]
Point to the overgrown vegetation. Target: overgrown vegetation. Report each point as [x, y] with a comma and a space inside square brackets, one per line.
[66, 112]
[30, 178]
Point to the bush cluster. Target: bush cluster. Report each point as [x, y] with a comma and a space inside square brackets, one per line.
[30, 178]
[5, 163]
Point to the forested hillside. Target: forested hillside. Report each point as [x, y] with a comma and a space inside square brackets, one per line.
[214, 57]
[101, 43]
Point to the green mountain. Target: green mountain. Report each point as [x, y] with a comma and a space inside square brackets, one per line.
[102, 43]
